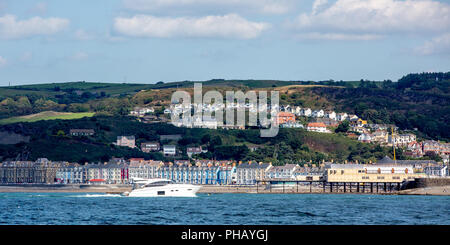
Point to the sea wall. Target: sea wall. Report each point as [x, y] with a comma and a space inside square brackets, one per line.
[428, 182]
[64, 188]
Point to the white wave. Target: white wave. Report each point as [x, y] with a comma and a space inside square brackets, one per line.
[99, 195]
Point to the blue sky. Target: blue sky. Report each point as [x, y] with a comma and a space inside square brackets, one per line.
[145, 41]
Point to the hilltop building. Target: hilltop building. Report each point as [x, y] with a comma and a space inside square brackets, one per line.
[127, 141]
[317, 127]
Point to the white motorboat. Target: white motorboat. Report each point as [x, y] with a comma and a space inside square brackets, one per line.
[161, 188]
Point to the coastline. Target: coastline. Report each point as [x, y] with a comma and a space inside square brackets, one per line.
[117, 189]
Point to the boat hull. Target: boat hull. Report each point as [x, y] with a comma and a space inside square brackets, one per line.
[171, 190]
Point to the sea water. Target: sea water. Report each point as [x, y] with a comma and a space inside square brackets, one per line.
[222, 209]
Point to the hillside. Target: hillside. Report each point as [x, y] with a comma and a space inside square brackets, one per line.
[417, 101]
[50, 139]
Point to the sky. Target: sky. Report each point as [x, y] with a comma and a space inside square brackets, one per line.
[146, 41]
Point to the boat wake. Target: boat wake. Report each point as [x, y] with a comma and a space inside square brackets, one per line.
[99, 195]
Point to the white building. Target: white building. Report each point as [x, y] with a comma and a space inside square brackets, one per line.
[127, 141]
[306, 112]
[169, 150]
[318, 113]
[366, 138]
[341, 116]
[317, 127]
[330, 115]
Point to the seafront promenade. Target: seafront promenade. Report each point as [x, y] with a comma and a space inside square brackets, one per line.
[215, 189]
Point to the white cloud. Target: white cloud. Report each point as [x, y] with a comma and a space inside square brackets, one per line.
[2, 61]
[318, 5]
[227, 26]
[262, 6]
[375, 17]
[337, 36]
[11, 28]
[82, 35]
[437, 46]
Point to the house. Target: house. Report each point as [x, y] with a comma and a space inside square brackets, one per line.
[366, 138]
[306, 112]
[282, 172]
[401, 139]
[359, 129]
[70, 174]
[436, 171]
[292, 125]
[357, 122]
[414, 149]
[318, 113]
[327, 121]
[81, 132]
[251, 172]
[150, 146]
[431, 146]
[240, 127]
[317, 127]
[141, 111]
[210, 123]
[127, 141]
[285, 117]
[380, 136]
[193, 150]
[169, 150]
[341, 116]
[330, 115]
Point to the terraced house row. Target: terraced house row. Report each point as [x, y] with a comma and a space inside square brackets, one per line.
[205, 172]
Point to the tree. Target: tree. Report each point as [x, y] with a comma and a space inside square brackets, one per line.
[343, 127]
[60, 133]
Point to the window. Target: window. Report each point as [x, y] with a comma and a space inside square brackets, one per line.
[161, 193]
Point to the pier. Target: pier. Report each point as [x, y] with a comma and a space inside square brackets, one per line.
[321, 186]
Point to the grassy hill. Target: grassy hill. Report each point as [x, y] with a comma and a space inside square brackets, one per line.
[47, 115]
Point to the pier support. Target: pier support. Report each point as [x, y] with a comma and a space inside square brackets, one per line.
[331, 187]
[310, 187]
[345, 190]
[384, 186]
[357, 187]
[364, 187]
[371, 187]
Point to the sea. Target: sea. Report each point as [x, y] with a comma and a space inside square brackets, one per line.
[223, 209]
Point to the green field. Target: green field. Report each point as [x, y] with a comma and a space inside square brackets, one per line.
[46, 115]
